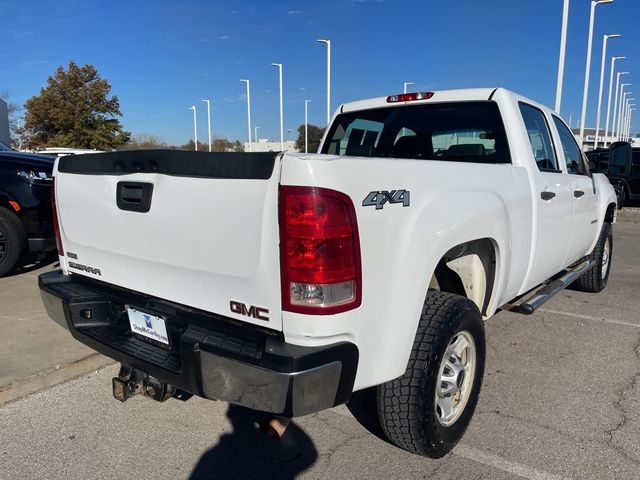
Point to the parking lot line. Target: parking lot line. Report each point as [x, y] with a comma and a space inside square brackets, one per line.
[500, 463]
[589, 317]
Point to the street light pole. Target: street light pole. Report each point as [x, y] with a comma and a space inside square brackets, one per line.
[306, 126]
[630, 115]
[606, 128]
[585, 93]
[615, 105]
[279, 65]
[248, 110]
[406, 84]
[627, 106]
[623, 134]
[255, 136]
[208, 120]
[623, 98]
[605, 39]
[563, 48]
[328, 44]
[195, 128]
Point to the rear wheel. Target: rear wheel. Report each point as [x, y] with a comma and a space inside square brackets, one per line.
[13, 241]
[428, 409]
[596, 279]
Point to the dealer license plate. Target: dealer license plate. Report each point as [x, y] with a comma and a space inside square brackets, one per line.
[147, 325]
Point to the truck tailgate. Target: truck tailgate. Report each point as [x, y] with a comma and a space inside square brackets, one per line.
[208, 237]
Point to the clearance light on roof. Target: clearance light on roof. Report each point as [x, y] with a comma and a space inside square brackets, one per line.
[408, 97]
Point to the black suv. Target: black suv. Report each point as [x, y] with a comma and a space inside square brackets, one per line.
[623, 171]
[25, 206]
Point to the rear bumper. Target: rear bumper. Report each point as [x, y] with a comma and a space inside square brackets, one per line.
[210, 356]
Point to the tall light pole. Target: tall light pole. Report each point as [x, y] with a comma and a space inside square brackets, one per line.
[248, 110]
[623, 127]
[631, 110]
[605, 39]
[563, 48]
[328, 44]
[195, 128]
[208, 120]
[606, 128]
[626, 117]
[585, 93]
[279, 65]
[406, 84]
[255, 136]
[623, 98]
[306, 126]
[615, 104]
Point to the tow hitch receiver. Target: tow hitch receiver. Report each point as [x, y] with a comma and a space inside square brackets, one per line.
[131, 381]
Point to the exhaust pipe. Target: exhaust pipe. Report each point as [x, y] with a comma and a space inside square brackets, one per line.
[274, 426]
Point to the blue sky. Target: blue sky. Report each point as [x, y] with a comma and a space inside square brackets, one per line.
[161, 57]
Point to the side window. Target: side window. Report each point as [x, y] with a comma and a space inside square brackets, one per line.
[572, 154]
[540, 138]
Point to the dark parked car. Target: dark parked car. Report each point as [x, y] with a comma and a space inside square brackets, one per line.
[623, 171]
[25, 206]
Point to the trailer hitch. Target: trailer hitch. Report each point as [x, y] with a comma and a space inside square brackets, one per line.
[131, 381]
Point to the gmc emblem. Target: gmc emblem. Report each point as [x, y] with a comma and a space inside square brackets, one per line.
[252, 311]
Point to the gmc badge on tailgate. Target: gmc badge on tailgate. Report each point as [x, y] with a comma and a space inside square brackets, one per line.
[252, 311]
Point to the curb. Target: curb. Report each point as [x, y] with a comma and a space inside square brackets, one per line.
[55, 376]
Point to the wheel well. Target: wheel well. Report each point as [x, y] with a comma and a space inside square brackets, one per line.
[468, 269]
[611, 211]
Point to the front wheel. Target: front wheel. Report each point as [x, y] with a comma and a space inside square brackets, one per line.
[428, 409]
[13, 241]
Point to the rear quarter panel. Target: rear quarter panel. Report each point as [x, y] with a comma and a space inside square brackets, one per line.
[450, 203]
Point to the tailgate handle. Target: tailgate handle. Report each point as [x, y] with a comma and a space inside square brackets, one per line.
[134, 196]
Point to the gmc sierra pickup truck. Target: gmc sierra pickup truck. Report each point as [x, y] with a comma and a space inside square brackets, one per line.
[285, 282]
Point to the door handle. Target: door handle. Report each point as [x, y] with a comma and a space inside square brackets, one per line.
[578, 193]
[546, 195]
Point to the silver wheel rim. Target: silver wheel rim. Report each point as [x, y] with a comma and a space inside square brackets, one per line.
[455, 378]
[606, 253]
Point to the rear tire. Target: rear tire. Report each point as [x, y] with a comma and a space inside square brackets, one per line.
[422, 411]
[13, 241]
[596, 279]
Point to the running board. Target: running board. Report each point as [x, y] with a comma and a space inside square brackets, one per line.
[548, 291]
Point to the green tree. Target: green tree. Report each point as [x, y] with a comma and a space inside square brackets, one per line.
[314, 135]
[75, 110]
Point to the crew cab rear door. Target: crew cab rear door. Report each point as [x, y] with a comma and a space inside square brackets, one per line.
[552, 195]
[583, 194]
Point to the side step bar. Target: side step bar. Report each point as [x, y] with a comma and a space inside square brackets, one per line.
[547, 292]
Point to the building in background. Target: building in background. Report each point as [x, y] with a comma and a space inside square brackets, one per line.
[4, 123]
[590, 138]
[264, 145]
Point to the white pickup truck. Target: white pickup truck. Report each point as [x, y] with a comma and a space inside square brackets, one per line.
[286, 282]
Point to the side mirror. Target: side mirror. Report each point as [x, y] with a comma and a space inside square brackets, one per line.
[619, 158]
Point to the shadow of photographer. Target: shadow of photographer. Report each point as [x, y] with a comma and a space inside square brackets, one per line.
[248, 453]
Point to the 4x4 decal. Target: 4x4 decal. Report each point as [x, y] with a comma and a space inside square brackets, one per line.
[380, 198]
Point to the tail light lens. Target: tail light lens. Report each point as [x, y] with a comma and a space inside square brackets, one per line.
[54, 211]
[319, 251]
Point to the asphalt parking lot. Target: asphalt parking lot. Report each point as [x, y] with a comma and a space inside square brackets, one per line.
[561, 399]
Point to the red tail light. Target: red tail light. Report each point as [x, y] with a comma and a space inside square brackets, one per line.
[319, 251]
[54, 211]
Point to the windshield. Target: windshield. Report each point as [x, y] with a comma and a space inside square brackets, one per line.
[5, 148]
[460, 131]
